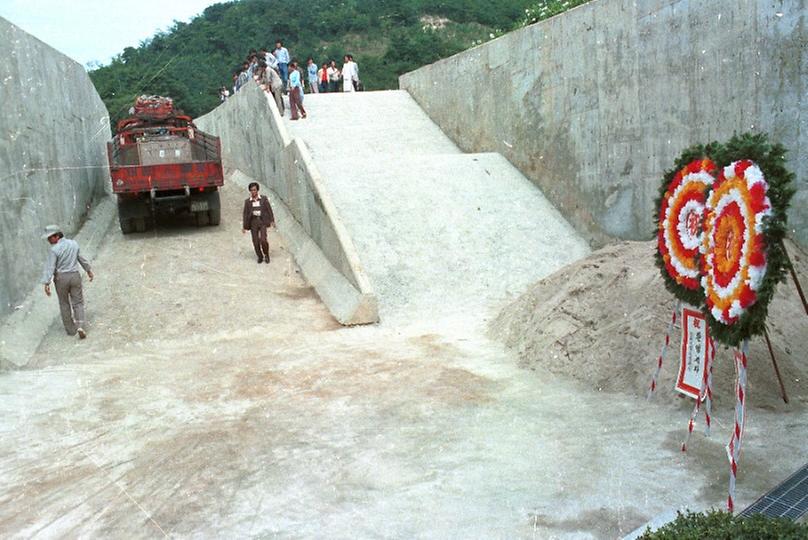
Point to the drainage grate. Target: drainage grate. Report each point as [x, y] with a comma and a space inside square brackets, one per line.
[789, 499]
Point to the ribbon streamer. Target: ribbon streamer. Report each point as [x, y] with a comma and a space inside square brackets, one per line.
[734, 446]
[708, 401]
[704, 391]
[654, 378]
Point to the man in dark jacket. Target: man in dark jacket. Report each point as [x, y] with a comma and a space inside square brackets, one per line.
[257, 217]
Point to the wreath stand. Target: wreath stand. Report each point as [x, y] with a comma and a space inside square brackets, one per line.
[720, 246]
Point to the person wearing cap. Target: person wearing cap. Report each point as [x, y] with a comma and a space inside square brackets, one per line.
[62, 267]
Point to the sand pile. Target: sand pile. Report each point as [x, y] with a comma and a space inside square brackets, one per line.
[602, 319]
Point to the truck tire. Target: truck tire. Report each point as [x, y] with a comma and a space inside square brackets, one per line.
[134, 215]
[140, 224]
[127, 227]
[201, 218]
[125, 216]
[214, 217]
[214, 209]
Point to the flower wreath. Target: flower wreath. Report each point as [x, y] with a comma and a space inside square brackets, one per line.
[742, 253]
[679, 222]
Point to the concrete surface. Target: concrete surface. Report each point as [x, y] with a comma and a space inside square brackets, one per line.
[215, 397]
[22, 331]
[441, 234]
[593, 105]
[256, 142]
[53, 164]
[654, 524]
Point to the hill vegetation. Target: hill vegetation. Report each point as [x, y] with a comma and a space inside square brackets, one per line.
[190, 61]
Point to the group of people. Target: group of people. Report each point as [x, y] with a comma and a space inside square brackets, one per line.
[330, 78]
[277, 73]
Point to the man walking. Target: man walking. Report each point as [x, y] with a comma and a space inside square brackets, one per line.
[276, 88]
[282, 55]
[257, 217]
[270, 59]
[349, 74]
[333, 77]
[295, 92]
[311, 70]
[62, 267]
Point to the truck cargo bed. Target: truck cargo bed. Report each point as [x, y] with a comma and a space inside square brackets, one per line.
[165, 162]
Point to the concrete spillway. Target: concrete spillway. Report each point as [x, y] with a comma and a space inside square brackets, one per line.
[219, 398]
[440, 233]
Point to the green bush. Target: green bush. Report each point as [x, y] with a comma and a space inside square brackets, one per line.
[717, 525]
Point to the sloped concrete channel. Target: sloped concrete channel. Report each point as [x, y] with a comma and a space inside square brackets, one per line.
[441, 233]
[219, 398]
[224, 401]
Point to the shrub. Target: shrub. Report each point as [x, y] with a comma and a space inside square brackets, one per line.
[725, 526]
[544, 9]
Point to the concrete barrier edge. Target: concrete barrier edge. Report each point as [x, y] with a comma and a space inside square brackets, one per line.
[347, 304]
[351, 254]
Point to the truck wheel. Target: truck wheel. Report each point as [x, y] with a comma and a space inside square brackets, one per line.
[127, 226]
[201, 218]
[214, 208]
[140, 224]
[214, 216]
[125, 216]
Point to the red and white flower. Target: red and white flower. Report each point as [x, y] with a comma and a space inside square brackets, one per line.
[734, 243]
[680, 222]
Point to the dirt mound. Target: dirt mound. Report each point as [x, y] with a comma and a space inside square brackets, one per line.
[601, 321]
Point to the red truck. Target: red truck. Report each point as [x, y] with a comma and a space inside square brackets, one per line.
[161, 163]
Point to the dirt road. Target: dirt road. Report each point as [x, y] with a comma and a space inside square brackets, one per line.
[217, 398]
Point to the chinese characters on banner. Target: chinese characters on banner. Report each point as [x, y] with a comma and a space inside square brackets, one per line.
[694, 353]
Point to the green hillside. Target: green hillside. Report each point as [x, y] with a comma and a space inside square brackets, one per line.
[387, 37]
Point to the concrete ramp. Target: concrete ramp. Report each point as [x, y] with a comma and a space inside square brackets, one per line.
[440, 233]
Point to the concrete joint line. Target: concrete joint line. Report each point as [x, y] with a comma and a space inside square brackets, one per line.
[348, 305]
[330, 210]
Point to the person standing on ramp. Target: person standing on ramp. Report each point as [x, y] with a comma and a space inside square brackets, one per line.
[62, 267]
[257, 217]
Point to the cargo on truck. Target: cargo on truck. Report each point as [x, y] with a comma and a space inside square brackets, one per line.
[161, 163]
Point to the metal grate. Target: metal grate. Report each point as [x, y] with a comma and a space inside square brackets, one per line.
[789, 499]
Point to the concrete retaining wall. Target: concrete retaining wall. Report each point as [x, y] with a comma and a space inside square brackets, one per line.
[593, 105]
[256, 143]
[53, 165]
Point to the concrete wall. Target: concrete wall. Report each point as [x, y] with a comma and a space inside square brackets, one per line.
[53, 130]
[593, 105]
[256, 143]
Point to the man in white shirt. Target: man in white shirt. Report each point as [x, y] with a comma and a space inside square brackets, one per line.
[333, 76]
[282, 56]
[349, 74]
[62, 266]
[270, 59]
